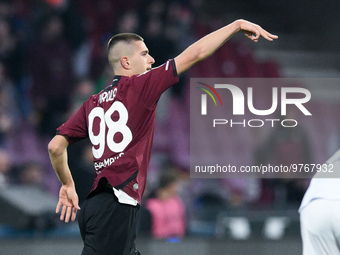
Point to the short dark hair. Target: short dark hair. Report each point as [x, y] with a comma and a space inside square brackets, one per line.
[167, 178]
[123, 37]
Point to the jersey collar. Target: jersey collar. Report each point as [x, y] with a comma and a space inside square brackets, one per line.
[115, 80]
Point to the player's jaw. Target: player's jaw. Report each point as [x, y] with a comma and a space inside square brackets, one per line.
[141, 61]
[146, 66]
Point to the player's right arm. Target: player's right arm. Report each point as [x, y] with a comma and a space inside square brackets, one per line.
[207, 45]
[68, 198]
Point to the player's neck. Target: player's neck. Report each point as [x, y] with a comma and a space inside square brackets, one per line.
[123, 72]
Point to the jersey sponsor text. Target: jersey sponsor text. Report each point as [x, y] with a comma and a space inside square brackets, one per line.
[106, 162]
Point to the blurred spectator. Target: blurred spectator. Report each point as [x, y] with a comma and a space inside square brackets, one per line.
[179, 21]
[168, 215]
[5, 168]
[84, 89]
[52, 75]
[10, 53]
[9, 112]
[128, 22]
[32, 174]
[241, 191]
[103, 17]
[74, 29]
[209, 199]
[75, 33]
[156, 9]
[5, 9]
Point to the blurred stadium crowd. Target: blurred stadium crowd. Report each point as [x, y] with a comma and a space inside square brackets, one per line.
[53, 57]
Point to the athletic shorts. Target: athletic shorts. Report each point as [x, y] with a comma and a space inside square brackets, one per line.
[106, 226]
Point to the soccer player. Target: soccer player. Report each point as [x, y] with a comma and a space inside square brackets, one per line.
[119, 121]
[320, 211]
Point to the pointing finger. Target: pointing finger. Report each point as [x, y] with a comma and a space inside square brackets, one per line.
[265, 34]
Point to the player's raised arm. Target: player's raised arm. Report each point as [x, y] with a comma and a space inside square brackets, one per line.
[207, 45]
[68, 198]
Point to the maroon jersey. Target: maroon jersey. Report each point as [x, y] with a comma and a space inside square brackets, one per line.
[120, 122]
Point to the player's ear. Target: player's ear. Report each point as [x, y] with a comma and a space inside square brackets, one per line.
[125, 63]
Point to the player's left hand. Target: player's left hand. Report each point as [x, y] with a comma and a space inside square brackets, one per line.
[68, 200]
[254, 31]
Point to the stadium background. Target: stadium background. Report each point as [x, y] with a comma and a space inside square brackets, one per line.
[34, 49]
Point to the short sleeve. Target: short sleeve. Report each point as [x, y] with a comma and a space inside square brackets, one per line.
[75, 127]
[151, 85]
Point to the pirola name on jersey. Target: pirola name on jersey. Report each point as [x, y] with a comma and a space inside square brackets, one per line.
[106, 162]
[108, 96]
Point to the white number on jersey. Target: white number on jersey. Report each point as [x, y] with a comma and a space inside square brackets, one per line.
[114, 127]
